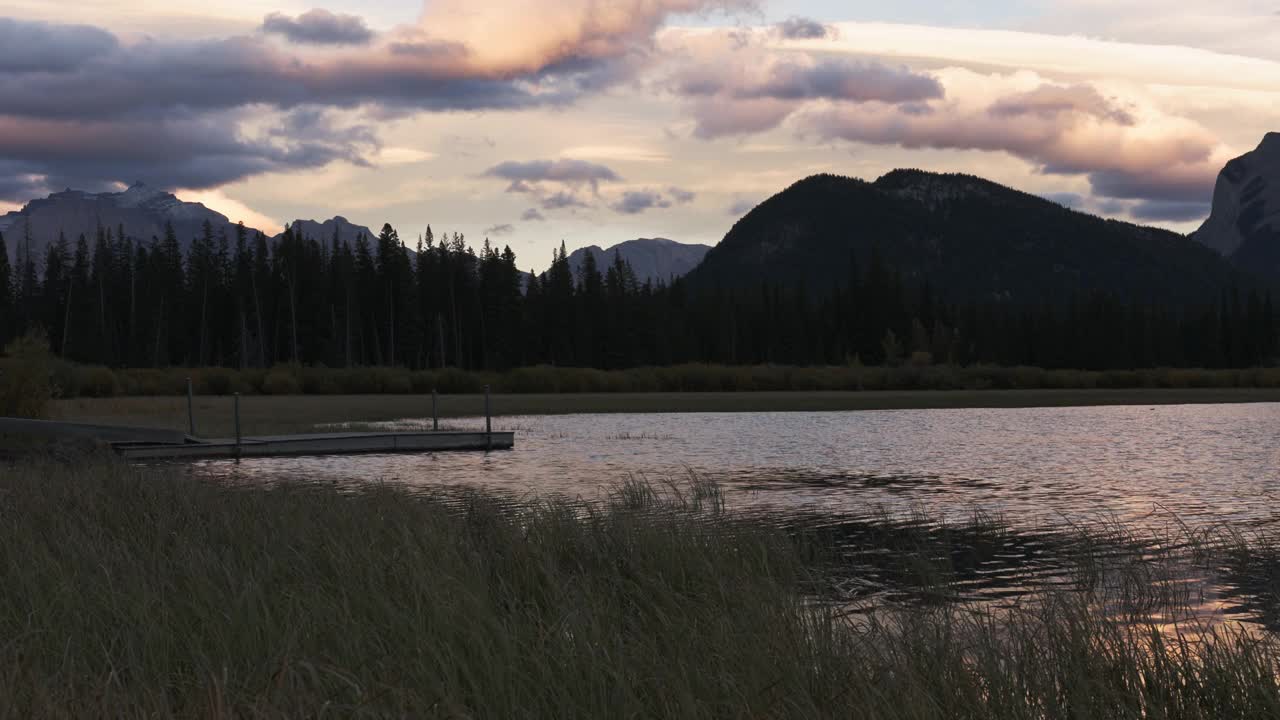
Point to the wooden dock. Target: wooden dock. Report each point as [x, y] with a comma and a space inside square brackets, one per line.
[319, 444]
[148, 444]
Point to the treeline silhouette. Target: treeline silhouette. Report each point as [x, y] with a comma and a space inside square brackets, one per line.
[241, 300]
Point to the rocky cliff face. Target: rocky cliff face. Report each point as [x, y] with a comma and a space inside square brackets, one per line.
[1245, 222]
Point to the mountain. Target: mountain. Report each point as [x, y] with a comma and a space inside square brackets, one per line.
[142, 211]
[968, 237]
[1245, 223]
[657, 259]
[324, 231]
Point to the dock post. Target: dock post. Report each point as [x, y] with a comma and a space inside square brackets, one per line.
[191, 410]
[237, 426]
[488, 421]
[435, 410]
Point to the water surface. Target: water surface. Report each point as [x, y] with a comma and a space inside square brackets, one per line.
[866, 478]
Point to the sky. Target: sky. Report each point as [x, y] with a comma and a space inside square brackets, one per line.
[536, 122]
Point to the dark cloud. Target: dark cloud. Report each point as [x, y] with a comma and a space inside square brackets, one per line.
[499, 230]
[532, 215]
[319, 27]
[735, 91]
[191, 151]
[1160, 211]
[1177, 185]
[36, 47]
[178, 112]
[799, 28]
[845, 80]
[636, 202]
[562, 201]
[565, 172]
[742, 207]
[832, 79]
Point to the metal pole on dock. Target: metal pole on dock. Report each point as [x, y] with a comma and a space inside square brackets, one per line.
[435, 410]
[488, 421]
[237, 426]
[191, 410]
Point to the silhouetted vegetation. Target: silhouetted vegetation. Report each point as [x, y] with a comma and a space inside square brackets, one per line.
[249, 303]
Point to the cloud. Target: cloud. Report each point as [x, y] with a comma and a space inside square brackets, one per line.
[799, 28]
[636, 202]
[1164, 211]
[204, 101]
[1061, 129]
[499, 230]
[562, 201]
[190, 151]
[532, 215]
[30, 47]
[319, 27]
[1048, 101]
[517, 36]
[573, 173]
[682, 196]
[742, 207]
[555, 184]
[736, 84]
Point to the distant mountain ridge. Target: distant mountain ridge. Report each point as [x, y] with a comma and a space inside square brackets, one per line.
[142, 211]
[652, 259]
[324, 231]
[1245, 222]
[967, 237]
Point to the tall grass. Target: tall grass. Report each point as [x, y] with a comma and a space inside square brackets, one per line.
[84, 381]
[144, 592]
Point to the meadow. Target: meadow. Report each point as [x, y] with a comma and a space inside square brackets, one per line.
[145, 592]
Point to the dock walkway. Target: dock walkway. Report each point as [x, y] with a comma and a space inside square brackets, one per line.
[149, 444]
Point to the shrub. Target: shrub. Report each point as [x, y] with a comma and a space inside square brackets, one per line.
[25, 377]
[281, 381]
[97, 382]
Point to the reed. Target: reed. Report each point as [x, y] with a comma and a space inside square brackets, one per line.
[144, 592]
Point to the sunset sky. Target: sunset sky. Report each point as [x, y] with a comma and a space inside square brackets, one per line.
[597, 121]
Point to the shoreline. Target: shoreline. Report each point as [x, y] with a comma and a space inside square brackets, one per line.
[296, 412]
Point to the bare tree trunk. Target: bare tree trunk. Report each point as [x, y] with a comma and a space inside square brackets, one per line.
[204, 312]
[155, 358]
[244, 340]
[391, 329]
[107, 343]
[440, 336]
[133, 309]
[257, 311]
[66, 319]
[348, 326]
[293, 321]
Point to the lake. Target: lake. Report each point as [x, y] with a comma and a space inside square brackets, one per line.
[870, 476]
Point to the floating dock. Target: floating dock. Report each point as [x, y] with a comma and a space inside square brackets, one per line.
[148, 444]
[320, 444]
